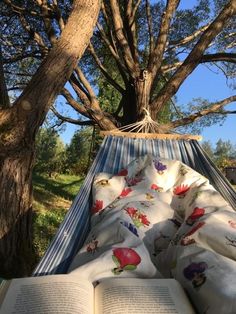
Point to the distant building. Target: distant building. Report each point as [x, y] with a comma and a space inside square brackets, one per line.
[230, 173]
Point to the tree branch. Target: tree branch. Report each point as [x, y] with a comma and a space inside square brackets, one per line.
[130, 29]
[19, 10]
[119, 27]
[189, 38]
[197, 115]
[47, 20]
[85, 83]
[194, 58]
[80, 90]
[134, 10]
[104, 70]
[36, 36]
[70, 120]
[22, 57]
[58, 14]
[155, 58]
[226, 57]
[74, 104]
[111, 47]
[150, 27]
[170, 67]
[225, 112]
[109, 27]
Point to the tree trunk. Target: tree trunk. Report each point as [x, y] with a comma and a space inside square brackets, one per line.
[16, 213]
[136, 98]
[128, 103]
[142, 90]
[18, 126]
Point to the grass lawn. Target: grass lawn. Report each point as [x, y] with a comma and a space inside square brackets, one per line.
[52, 199]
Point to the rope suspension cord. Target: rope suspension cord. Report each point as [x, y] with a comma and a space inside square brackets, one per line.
[147, 127]
[147, 124]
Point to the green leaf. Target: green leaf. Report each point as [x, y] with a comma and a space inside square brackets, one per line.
[130, 267]
[115, 260]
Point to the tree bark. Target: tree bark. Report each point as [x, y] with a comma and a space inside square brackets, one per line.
[143, 87]
[18, 127]
[16, 213]
[4, 98]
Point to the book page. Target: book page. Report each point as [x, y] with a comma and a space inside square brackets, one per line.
[49, 294]
[141, 296]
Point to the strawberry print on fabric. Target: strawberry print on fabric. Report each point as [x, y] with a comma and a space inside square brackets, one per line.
[157, 188]
[196, 214]
[139, 219]
[125, 192]
[122, 173]
[98, 205]
[186, 239]
[125, 259]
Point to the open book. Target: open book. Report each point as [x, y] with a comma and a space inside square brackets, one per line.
[69, 294]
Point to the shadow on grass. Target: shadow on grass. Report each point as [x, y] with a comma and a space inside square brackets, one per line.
[56, 187]
[46, 225]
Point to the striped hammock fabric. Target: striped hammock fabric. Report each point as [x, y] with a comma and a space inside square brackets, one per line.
[114, 154]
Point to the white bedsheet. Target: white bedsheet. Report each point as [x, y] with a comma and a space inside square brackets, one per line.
[160, 218]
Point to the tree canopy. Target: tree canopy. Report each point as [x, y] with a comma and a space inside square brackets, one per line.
[141, 52]
[50, 152]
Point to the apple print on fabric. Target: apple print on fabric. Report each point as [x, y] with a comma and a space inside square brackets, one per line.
[125, 259]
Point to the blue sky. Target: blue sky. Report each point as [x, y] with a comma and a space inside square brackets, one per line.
[206, 84]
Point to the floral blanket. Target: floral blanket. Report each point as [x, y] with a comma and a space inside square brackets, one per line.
[160, 218]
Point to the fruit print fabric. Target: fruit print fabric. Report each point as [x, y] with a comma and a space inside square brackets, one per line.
[125, 259]
[168, 219]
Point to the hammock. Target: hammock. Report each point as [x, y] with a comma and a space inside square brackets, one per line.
[115, 153]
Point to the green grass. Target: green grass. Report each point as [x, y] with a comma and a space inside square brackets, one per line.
[52, 199]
